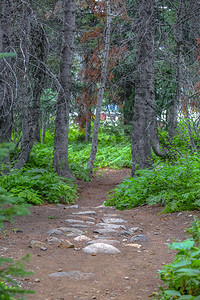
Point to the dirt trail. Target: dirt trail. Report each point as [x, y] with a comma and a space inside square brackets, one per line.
[128, 275]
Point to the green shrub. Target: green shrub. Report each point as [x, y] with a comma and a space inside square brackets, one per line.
[10, 270]
[175, 186]
[181, 278]
[37, 185]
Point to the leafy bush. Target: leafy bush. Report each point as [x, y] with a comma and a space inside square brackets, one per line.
[37, 185]
[175, 186]
[9, 287]
[182, 277]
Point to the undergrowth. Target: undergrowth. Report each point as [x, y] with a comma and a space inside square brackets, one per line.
[36, 185]
[175, 186]
[181, 278]
[10, 270]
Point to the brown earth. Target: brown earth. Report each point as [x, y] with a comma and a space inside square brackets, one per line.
[132, 274]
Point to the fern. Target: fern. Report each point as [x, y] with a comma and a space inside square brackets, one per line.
[175, 186]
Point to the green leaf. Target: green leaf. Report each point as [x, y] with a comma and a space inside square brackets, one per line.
[172, 293]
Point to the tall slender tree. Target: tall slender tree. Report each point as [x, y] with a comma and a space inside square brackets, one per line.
[61, 164]
[6, 89]
[101, 90]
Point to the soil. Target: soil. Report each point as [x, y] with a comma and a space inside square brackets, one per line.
[132, 274]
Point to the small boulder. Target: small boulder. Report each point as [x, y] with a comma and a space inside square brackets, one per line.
[139, 238]
[101, 248]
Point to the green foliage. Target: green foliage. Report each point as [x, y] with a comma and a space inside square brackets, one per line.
[113, 151]
[181, 278]
[175, 186]
[9, 287]
[36, 185]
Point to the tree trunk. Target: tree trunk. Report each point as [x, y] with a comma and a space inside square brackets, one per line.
[145, 130]
[23, 93]
[100, 92]
[88, 125]
[38, 72]
[173, 115]
[6, 91]
[61, 164]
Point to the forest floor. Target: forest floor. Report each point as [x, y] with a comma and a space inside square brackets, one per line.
[69, 273]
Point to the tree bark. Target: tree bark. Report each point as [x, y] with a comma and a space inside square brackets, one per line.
[145, 130]
[173, 115]
[38, 54]
[23, 94]
[6, 91]
[100, 92]
[61, 163]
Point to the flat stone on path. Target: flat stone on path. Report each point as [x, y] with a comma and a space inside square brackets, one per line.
[88, 212]
[101, 248]
[104, 230]
[66, 244]
[104, 241]
[68, 206]
[73, 275]
[37, 244]
[74, 221]
[138, 238]
[71, 230]
[81, 238]
[79, 226]
[54, 231]
[113, 220]
[111, 226]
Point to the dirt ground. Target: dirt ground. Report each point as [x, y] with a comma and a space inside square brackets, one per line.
[132, 274]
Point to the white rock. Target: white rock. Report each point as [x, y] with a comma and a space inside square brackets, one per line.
[109, 242]
[81, 238]
[73, 275]
[101, 248]
[113, 220]
[111, 226]
[89, 212]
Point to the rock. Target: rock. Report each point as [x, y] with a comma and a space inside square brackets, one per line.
[37, 244]
[81, 238]
[125, 232]
[112, 226]
[54, 231]
[139, 238]
[37, 280]
[135, 229]
[67, 206]
[101, 248]
[113, 220]
[101, 206]
[89, 222]
[89, 212]
[53, 240]
[109, 242]
[43, 248]
[66, 244]
[74, 231]
[133, 245]
[74, 221]
[78, 226]
[104, 230]
[73, 275]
